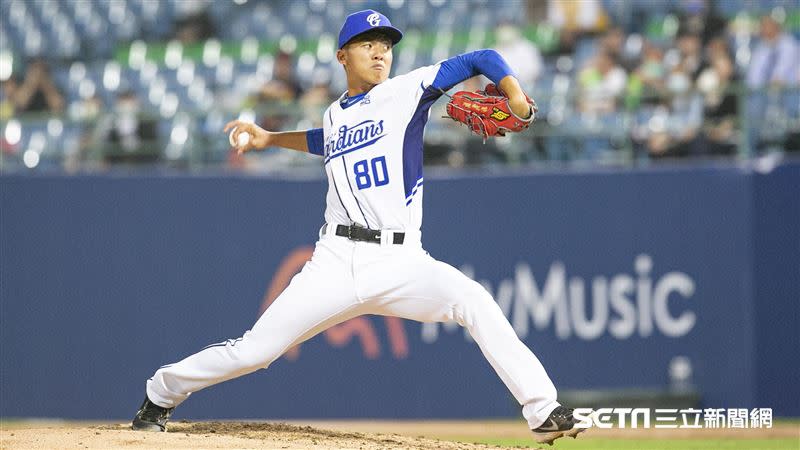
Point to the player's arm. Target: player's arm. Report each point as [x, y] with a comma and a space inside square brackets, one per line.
[490, 64]
[516, 96]
[303, 141]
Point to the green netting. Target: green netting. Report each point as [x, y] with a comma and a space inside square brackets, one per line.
[544, 36]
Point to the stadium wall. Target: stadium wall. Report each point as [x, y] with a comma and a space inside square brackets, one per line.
[608, 276]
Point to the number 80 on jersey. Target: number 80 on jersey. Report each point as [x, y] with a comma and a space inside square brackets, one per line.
[377, 176]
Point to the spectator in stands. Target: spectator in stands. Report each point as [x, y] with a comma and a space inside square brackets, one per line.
[89, 149]
[193, 22]
[679, 135]
[536, 12]
[7, 112]
[647, 82]
[283, 88]
[575, 19]
[284, 85]
[720, 104]
[601, 84]
[567, 43]
[585, 16]
[125, 136]
[776, 58]
[523, 56]
[613, 43]
[317, 97]
[700, 18]
[8, 91]
[774, 65]
[690, 50]
[793, 136]
[37, 93]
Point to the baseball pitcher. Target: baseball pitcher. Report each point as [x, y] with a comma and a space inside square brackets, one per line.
[369, 257]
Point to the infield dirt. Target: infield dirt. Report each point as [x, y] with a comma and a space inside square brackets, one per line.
[336, 435]
[229, 435]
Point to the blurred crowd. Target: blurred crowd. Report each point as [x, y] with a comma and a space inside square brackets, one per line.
[615, 83]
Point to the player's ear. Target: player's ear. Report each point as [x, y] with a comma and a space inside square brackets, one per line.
[341, 56]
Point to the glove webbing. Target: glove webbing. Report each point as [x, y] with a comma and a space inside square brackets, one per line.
[470, 116]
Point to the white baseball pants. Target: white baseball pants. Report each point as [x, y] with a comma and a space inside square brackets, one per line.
[345, 279]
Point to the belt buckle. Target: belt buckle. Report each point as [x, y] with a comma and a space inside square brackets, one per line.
[350, 232]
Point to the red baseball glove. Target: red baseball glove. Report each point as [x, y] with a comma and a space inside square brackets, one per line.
[487, 112]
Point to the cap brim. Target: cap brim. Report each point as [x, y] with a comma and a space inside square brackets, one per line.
[394, 34]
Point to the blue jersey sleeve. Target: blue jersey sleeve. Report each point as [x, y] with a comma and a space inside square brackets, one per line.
[315, 141]
[480, 62]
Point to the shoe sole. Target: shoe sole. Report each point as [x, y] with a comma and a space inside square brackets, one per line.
[574, 432]
[144, 426]
[550, 437]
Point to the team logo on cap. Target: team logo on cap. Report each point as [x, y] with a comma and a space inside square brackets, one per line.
[374, 19]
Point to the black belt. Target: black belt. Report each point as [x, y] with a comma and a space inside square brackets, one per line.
[357, 233]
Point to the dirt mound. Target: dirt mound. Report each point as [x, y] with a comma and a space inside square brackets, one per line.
[184, 434]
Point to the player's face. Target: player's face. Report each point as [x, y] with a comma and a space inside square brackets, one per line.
[368, 60]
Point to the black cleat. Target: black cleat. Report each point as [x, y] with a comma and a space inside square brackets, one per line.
[558, 424]
[151, 417]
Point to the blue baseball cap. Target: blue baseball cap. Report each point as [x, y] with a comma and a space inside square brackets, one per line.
[367, 20]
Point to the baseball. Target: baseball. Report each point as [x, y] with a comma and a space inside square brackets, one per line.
[242, 139]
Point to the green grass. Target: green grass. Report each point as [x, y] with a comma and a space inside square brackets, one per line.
[678, 443]
[787, 421]
[650, 444]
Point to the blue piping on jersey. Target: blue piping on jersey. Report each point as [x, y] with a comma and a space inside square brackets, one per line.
[451, 72]
[413, 191]
[365, 144]
[347, 177]
[412, 140]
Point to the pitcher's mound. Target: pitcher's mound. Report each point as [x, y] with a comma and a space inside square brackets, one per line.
[229, 435]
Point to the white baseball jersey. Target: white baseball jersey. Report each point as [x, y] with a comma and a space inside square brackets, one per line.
[373, 153]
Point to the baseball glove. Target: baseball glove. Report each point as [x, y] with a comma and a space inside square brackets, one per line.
[487, 112]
